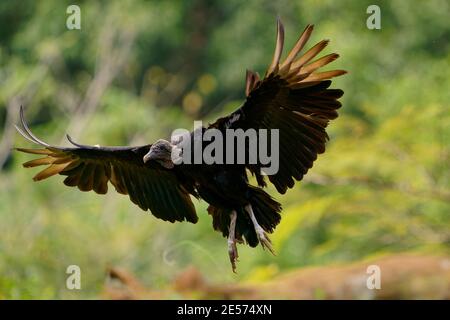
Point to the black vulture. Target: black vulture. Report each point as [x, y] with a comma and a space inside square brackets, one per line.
[293, 97]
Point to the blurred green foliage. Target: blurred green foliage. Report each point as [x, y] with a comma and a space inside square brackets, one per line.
[139, 69]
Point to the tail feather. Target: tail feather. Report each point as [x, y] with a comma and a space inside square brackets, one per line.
[266, 210]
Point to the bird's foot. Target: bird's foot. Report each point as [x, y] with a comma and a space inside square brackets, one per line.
[233, 253]
[264, 239]
[262, 235]
[232, 249]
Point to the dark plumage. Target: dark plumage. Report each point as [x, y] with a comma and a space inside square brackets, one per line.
[292, 97]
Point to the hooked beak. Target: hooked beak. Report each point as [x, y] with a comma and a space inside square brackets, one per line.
[149, 156]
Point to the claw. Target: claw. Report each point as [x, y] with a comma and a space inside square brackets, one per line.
[262, 235]
[233, 253]
[264, 239]
[232, 248]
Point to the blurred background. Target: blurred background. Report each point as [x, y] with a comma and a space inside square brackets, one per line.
[139, 69]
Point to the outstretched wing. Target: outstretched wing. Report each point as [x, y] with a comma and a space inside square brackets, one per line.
[294, 98]
[148, 185]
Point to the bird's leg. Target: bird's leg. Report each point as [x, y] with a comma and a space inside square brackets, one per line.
[232, 249]
[262, 235]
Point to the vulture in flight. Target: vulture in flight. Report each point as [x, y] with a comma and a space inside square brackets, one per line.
[293, 97]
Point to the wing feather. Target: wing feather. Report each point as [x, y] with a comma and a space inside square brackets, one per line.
[148, 185]
[278, 49]
[294, 98]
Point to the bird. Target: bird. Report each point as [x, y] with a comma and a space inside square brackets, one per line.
[294, 97]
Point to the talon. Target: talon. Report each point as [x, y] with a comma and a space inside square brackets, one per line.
[232, 248]
[233, 253]
[262, 235]
[265, 241]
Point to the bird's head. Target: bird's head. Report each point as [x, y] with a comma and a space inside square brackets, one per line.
[160, 152]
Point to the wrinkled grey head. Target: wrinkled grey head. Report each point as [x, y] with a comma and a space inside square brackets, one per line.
[160, 152]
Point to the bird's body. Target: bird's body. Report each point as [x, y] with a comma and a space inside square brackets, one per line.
[292, 98]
